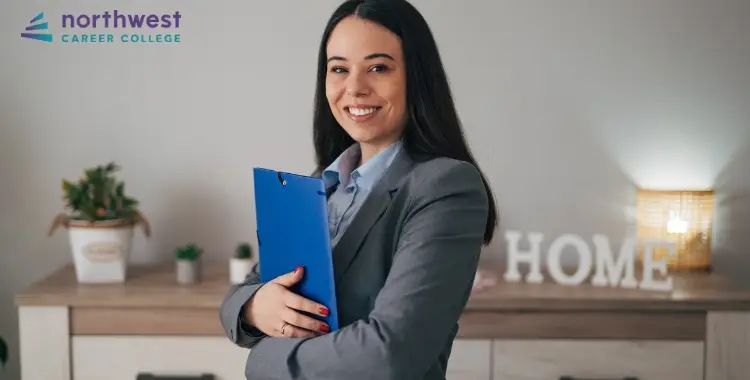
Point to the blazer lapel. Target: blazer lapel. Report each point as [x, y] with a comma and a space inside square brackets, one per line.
[371, 210]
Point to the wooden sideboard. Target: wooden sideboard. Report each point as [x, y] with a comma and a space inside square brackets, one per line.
[509, 331]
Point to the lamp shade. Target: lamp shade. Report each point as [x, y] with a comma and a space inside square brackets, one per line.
[684, 218]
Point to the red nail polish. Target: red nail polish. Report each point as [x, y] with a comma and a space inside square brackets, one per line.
[325, 328]
[323, 311]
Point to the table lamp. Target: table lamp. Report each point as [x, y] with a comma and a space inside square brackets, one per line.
[683, 218]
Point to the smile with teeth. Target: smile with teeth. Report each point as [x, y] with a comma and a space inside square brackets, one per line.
[362, 111]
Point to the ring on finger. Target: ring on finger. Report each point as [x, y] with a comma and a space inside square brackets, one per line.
[283, 327]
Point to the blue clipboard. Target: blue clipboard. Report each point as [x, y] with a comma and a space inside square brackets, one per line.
[292, 225]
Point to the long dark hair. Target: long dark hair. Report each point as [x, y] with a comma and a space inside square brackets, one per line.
[433, 129]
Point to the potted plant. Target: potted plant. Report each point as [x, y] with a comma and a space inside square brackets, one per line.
[188, 263]
[241, 264]
[100, 219]
[3, 353]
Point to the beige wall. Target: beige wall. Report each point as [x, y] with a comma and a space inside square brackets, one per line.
[567, 105]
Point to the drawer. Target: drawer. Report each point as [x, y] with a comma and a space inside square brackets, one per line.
[470, 360]
[124, 357]
[597, 359]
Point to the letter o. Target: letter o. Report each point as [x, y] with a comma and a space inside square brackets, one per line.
[584, 265]
[85, 23]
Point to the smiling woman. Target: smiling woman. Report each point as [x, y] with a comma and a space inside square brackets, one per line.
[408, 206]
[366, 83]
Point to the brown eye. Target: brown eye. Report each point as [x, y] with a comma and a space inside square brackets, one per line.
[380, 68]
[338, 69]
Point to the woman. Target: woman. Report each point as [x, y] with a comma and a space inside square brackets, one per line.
[409, 212]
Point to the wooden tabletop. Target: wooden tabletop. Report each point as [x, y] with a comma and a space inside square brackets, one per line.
[155, 286]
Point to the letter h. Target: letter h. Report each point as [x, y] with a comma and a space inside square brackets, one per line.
[515, 256]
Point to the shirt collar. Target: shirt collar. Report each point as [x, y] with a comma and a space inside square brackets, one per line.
[343, 170]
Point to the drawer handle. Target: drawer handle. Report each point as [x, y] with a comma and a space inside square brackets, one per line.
[150, 376]
[581, 378]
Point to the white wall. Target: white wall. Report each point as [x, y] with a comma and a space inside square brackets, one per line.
[567, 105]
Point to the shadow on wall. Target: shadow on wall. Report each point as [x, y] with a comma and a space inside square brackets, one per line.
[732, 219]
[568, 184]
[21, 259]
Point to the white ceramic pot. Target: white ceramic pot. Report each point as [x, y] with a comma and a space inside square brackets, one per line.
[188, 271]
[239, 269]
[101, 249]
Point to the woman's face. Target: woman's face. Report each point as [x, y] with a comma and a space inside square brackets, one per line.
[366, 81]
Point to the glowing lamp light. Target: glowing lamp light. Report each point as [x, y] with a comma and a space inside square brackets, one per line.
[683, 218]
[675, 225]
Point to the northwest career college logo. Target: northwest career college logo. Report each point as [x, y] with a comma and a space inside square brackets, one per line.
[47, 37]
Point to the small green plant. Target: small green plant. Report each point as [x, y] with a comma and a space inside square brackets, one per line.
[98, 196]
[3, 353]
[189, 252]
[243, 251]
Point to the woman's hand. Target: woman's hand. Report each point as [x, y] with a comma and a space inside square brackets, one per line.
[274, 309]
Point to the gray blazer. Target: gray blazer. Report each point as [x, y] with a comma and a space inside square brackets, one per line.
[404, 269]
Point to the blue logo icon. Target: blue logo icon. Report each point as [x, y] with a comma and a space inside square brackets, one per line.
[47, 37]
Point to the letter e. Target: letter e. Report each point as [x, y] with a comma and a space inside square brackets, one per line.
[649, 265]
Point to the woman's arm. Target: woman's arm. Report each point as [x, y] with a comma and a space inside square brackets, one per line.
[231, 312]
[424, 295]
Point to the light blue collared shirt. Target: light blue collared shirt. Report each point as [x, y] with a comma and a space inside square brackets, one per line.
[354, 184]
